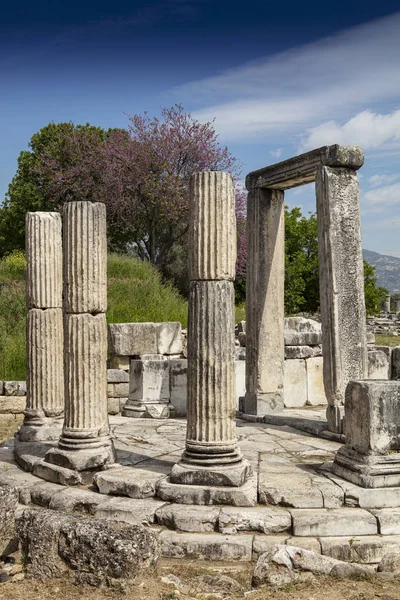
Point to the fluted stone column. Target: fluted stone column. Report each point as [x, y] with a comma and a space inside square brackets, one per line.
[386, 304]
[212, 456]
[397, 307]
[44, 331]
[85, 441]
[341, 277]
[265, 275]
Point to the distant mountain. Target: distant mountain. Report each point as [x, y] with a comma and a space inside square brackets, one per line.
[387, 270]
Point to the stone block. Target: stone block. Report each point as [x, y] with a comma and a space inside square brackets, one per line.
[178, 386]
[242, 339]
[132, 339]
[333, 522]
[295, 383]
[126, 481]
[14, 388]
[137, 512]
[369, 549]
[299, 331]
[293, 352]
[241, 327]
[9, 496]
[169, 338]
[117, 375]
[245, 495]
[388, 520]
[266, 543]
[98, 552]
[12, 404]
[206, 546]
[117, 390]
[372, 416]
[113, 406]
[378, 365]
[315, 382]
[149, 380]
[191, 519]
[120, 363]
[289, 489]
[69, 500]
[259, 518]
[396, 363]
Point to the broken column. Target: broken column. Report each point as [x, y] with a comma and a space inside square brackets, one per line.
[386, 304]
[371, 456]
[85, 442]
[265, 276]
[212, 456]
[44, 365]
[341, 278]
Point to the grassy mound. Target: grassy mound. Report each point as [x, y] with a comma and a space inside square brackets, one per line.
[135, 293]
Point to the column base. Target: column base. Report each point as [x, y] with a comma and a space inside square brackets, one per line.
[157, 410]
[263, 404]
[335, 416]
[41, 430]
[83, 459]
[231, 475]
[376, 471]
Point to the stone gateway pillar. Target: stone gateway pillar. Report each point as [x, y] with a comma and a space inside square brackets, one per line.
[344, 337]
[85, 442]
[212, 456]
[265, 351]
[44, 331]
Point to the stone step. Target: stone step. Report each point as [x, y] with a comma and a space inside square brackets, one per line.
[333, 522]
[206, 546]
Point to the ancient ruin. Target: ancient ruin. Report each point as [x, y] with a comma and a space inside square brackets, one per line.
[275, 485]
[341, 276]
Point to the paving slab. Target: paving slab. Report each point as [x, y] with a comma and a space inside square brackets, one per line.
[206, 546]
[333, 522]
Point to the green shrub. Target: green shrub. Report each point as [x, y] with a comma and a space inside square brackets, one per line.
[13, 267]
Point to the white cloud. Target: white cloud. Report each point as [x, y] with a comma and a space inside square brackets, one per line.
[377, 180]
[332, 78]
[381, 199]
[276, 153]
[366, 129]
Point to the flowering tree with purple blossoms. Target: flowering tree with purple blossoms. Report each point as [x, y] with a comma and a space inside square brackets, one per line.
[142, 174]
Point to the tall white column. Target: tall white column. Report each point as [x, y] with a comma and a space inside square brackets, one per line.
[265, 274]
[343, 317]
[212, 456]
[44, 331]
[85, 441]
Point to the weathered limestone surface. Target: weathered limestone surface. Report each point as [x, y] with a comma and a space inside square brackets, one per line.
[295, 383]
[341, 285]
[303, 168]
[264, 519]
[396, 363]
[315, 384]
[139, 339]
[212, 227]
[332, 522]
[85, 257]
[44, 260]
[183, 517]
[378, 365]
[178, 386]
[148, 389]
[265, 302]
[8, 505]
[302, 332]
[386, 304]
[45, 369]
[206, 546]
[371, 456]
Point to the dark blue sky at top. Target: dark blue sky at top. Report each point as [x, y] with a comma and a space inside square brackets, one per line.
[94, 61]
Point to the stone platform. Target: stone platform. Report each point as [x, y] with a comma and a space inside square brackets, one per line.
[292, 497]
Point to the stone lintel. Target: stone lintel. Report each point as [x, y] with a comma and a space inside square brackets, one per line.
[302, 169]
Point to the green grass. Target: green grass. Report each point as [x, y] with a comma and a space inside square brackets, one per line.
[387, 340]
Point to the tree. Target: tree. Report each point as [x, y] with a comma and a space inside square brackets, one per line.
[29, 189]
[374, 295]
[142, 174]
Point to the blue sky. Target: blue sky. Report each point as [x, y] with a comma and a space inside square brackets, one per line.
[278, 77]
